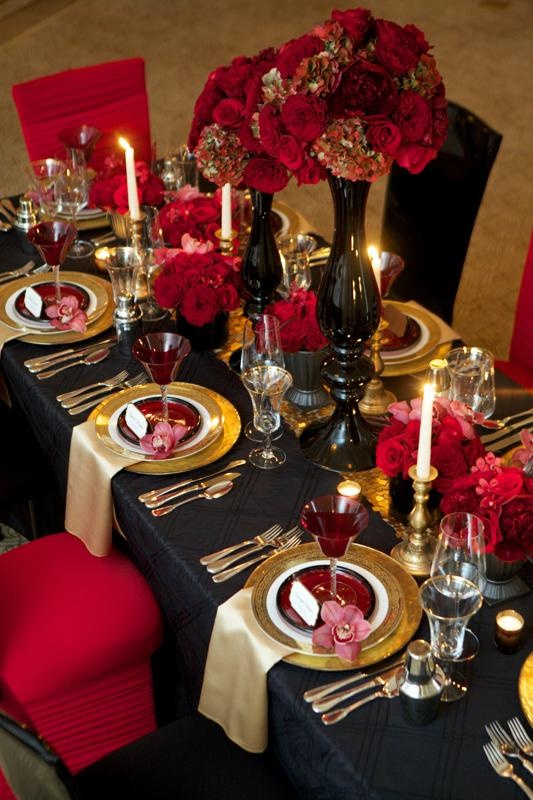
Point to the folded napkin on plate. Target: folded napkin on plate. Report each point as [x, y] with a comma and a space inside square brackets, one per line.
[234, 691]
[89, 512]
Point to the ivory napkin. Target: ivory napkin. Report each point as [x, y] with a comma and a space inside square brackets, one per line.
[234, 691]
[89, 511]
[7, 333]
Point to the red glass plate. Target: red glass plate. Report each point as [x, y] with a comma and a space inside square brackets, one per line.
[180, 412]
[352, 586]
[412, 334]
[47, 292]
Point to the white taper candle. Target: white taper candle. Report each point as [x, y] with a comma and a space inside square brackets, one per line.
[133, 197]
[423, 461]
[226, 212]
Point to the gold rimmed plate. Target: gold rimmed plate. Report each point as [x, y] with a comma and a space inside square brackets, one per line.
[416, 356]
[100, 320]
[224, 427]
[525, 688]
[395, 618]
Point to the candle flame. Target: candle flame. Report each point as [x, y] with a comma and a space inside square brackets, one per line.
[124, 143]
[372, 252]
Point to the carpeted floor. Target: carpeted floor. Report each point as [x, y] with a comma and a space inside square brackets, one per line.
[483, 49]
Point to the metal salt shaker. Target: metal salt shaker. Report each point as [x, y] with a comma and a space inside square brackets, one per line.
[422, 684]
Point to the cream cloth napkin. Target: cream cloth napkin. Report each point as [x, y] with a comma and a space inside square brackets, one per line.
[7, 333]
[89, 511]
[234, 691]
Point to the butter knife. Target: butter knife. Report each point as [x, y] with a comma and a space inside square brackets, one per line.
[339, 697]
[322, 691]
[44, 362]
[154, 493]
[389, 690]
[227, 476]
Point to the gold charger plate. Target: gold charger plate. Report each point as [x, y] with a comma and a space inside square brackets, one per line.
[104, 300]
[90, 223]
[403, 366]
[408, 606]
[226, 427]
[293, 218]
[525, 688]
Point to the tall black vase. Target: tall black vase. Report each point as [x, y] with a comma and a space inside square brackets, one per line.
[261, 264]
[348, 312]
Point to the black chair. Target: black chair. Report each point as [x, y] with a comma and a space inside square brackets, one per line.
[429, 217]
[190, 758]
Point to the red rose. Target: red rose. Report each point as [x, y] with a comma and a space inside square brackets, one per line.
[167, 292]
[396, 48]
[461, 496]
[516, 527]
[215, 274]
[384, 135]
[152, 191]
[413, 117]
[210, 96]
[394, 428]
[304, 116]
[290, 152]
[450, 462]
[229, 113]
[473, 449]
[355, 22]
[202, 209]
[292, 334]
[418, 40]
[199, 305]
[120, 197]
[282, 310]
[265, 174]
[311, 172]
[449, 431]
[414, 157]
[248, 140]
[270, 129]
[365, 88]
[393, 457]
[314, 338]
[293, 53]
[233, 78]
[102, 191]
[228, 297]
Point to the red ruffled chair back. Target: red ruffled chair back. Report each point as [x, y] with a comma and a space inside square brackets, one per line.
[111, 97]
[520, 364]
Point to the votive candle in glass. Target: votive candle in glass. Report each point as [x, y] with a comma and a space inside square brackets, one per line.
[349, 489]
[508, 631]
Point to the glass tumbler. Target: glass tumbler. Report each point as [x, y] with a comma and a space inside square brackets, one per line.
[472, 379]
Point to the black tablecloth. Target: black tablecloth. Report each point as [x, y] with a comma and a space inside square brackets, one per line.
[373, 753]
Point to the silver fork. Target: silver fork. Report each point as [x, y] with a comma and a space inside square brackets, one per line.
[17, 273]
[109, 383]
[224, 563]
[292, 541]
[501, 739]
[137, 380]
[500, 765]
[520, 736]
[260, 539]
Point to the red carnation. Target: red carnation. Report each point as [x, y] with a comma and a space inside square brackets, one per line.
[304, 116]
[265, 174]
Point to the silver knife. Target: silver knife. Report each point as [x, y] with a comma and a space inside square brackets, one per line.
[205, 484]
[339, 697]
[505, 444]
[390, 689]
[321, 691]
[493, 437]
[38, 365]
[156, 493]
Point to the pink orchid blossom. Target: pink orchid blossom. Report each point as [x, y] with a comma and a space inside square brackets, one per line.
[187, 193]
[344, 630]
[163, 439]
[67, 315]
[191, 245]
[400, 411]
[489, 463]
[524, 454]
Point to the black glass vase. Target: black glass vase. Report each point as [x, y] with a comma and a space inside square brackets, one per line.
[261, 264]
[348, 311]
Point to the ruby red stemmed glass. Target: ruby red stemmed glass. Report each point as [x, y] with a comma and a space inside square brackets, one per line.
[161, 355]
[334, 522]
[53, 239]
[79, 141]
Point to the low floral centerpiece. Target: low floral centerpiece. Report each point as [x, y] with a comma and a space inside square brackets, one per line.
[201, 286]
[109, 188]
[194, 213]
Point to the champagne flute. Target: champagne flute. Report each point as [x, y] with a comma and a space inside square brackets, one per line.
[261, 346]
[53, 239]
[266, 384]
[334, 521]
[44, 175]
[161, 355]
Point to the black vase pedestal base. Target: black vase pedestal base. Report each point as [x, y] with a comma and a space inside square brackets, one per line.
[308, 400]
[343, 443]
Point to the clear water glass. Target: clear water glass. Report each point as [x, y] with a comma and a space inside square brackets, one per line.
[472, 378]
[294, 251]
[261, 346]
[266, 385]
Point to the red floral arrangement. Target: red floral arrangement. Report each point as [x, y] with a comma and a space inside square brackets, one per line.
[298, 323]
[194, 213]
[455, 446]
[198, 282]
[352, 96]
[109, 189]
[502, 497]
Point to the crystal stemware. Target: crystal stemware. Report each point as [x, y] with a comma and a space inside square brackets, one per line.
[53, 239]
[44, 174]
[73, 196]
[161, 355]
[294, 251]
[266, 385]
[334, 521]
[79, 142]
[449, 601]
[261, 345]
[472, 378]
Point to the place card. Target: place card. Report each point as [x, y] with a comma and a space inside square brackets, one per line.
[136, 421]
[33, 302]
[304, 603]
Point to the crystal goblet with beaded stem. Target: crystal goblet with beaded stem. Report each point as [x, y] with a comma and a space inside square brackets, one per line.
[161, 355]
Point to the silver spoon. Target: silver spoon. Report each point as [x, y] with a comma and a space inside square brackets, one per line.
[92, 358]
[213, 493]
[5, 227]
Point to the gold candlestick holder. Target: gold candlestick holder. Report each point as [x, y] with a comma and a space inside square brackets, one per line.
[226, 246]
[376, 398]
[415, 553]
[136, 233]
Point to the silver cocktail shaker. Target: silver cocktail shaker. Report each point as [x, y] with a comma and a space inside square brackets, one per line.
[421, 685]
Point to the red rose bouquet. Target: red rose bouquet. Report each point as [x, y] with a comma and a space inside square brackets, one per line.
[352, 96]
[193, 213]
[298, 323]
[455, 447]
[502, 497]
[109, 189]
[198, 282]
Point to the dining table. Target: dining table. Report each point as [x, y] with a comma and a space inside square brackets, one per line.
[374, 754]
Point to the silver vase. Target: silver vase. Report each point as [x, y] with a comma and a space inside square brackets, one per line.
[307, 390]
[503, 581]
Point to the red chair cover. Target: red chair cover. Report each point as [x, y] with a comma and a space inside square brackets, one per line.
[520, 364]
[112, 97]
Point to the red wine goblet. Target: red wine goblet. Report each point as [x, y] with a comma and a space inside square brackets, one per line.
[79, 141]
[161, 355]
[334, 521]
[53, 239]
